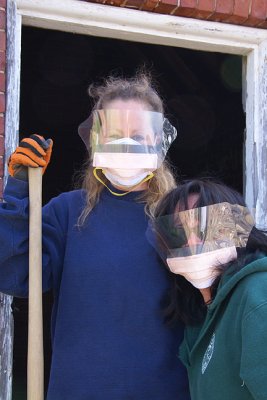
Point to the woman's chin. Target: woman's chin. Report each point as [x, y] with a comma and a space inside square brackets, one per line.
[134, 188]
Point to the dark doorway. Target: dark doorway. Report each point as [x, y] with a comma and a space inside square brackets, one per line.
[203, 99]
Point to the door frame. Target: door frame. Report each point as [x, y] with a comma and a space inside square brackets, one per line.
[141, 26]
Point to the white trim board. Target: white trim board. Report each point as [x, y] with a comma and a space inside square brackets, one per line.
[141, 26]
[133, 25]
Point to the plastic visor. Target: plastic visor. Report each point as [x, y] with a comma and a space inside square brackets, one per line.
[201, 230]
[105, 131]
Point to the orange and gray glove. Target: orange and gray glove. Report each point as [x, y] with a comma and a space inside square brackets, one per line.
[33, 152]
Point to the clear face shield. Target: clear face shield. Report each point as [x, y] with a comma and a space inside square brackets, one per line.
[127, 139]
[194, 241]
[203, 229]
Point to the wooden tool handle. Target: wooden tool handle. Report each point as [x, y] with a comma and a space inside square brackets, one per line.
[35, 370]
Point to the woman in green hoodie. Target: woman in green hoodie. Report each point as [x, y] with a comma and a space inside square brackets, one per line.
[207, 237]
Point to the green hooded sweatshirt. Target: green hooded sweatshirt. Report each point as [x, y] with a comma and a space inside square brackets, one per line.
[226, 357]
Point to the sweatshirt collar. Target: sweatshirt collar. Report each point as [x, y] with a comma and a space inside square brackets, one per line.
[231, 278]
[131, 196]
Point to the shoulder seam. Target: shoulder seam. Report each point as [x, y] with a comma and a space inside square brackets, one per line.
[255, 308]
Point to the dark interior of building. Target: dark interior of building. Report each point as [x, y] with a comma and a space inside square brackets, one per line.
[202, 93]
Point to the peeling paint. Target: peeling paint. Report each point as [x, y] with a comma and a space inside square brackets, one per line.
[213, 30]
[6, 347]
[11, 139]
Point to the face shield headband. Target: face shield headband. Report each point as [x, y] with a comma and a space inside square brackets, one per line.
[127, 138]
[201, 230]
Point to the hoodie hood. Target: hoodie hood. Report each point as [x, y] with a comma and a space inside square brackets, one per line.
[232, 277]
[196, 336]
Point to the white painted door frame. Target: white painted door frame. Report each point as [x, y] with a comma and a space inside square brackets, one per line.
[127, 24]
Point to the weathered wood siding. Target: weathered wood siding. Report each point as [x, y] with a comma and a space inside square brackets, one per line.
[6, 345]
[12, 71]
[6, 318]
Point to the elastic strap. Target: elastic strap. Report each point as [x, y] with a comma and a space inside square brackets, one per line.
[149, 176]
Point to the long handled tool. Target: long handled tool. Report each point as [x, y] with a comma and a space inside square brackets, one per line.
[35, 370]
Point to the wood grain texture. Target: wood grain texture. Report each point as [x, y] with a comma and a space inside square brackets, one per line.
[35, 372]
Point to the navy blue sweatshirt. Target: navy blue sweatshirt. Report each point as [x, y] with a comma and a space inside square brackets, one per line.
[109, 338]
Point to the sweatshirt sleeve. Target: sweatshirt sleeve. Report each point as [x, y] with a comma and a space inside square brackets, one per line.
[254, 352]
[14, 239]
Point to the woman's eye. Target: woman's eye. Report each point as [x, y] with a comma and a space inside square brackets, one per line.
[138, 138]
[114, 136]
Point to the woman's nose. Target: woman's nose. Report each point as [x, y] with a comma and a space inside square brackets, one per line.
[193, 239]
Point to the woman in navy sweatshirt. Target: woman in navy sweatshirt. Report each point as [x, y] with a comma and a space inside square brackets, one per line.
[109, 337]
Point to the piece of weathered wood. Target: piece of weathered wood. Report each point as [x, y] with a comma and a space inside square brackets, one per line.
[11, 140]
[140, 26]
[6, 345]
[255, 95]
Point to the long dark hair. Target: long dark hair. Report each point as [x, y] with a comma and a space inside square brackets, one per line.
[186, 302]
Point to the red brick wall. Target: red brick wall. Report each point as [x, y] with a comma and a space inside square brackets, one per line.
[241, 12]
[2, 87]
